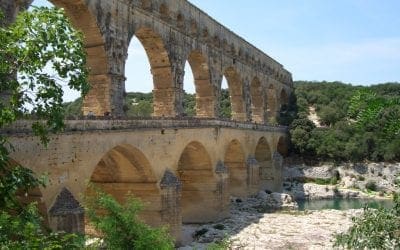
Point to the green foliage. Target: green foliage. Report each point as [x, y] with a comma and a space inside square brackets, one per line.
[220, 245]
[25, 232]
[189, 104]
[138, 104]
[120, 226]
[358, 124]
[42, 38]
[375, 229]
[225, 110]
[38, 51]
[288, 112]
[73, 109]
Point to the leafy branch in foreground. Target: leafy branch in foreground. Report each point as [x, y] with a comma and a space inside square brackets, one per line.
[120, 225]
[375, 229]
[39, 52]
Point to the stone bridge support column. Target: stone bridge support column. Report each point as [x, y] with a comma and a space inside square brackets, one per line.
[277, 164]
[253, 175]
[67, 214]
[171, 203]
[216, 80]
[106, 96]
[247, 100]
[222, 192]
[176, 93]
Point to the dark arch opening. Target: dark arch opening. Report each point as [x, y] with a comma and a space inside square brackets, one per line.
[282, 146]
[125, 169]
[263, 155]
[198, 184]
[257, 107]
[236, 94]
[235, 162]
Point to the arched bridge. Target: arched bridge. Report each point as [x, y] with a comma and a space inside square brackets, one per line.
[184, 170]
[173, 32]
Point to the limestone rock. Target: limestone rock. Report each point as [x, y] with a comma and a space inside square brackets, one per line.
[277, 200]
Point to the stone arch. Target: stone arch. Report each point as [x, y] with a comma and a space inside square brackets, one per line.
[236, 94]
[282, 146]
[83, 19]
[284, 97]
[234, 160]
[125, 169]
[163, 92]
[257, 107]
[198, 184]
[263, 155]
[205, 99]
[271, 103]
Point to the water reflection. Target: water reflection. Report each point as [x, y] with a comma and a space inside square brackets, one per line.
[343, 204]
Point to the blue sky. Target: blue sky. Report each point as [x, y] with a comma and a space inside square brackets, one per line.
[353, 41]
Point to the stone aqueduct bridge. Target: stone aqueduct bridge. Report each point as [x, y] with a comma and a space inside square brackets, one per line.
[173, 32]
[184, 170]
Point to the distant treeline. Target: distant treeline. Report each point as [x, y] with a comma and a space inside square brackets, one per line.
[138, 104]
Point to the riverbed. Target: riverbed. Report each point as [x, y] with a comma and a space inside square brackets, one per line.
[250, 228]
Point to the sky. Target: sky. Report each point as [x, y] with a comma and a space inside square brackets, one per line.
[353, 41]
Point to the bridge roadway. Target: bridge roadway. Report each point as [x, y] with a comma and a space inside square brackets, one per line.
[184, 170]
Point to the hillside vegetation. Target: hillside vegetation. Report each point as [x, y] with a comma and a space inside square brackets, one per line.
[340, 138]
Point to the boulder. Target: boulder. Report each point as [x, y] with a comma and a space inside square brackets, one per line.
[277, 200]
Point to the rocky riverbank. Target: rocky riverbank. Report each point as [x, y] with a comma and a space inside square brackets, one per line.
[251, 226]
[271, 221]
[360, 180]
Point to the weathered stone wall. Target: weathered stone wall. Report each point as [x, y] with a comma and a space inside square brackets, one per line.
[170, 169]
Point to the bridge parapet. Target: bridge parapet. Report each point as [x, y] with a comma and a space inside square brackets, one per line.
[25, 126]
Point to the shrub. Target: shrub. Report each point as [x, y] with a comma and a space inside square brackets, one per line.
[375, 229]
[334, 180]
[120, 226]
[371, 186]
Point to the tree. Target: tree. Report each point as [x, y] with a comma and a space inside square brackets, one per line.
[39, 52]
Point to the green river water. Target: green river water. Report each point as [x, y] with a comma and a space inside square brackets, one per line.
[343, 204]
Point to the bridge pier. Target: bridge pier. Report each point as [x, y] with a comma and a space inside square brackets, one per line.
[253, 175]
[67, 214]
[171, 204]
[222, 191]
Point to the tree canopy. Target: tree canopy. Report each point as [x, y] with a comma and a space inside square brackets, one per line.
[358, 123]
[39, 52]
